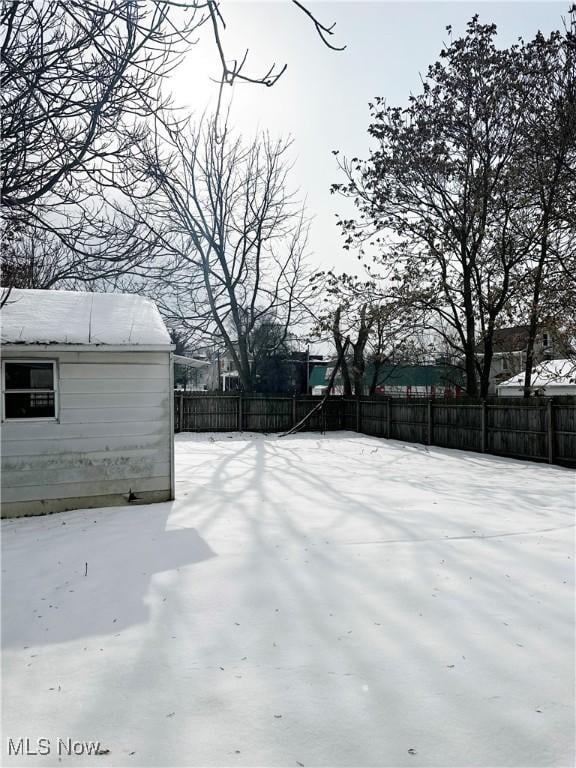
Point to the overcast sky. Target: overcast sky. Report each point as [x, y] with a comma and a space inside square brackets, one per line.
[322, 99]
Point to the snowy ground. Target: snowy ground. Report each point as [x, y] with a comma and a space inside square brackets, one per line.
[314, 600]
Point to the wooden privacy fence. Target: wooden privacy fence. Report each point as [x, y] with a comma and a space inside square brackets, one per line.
[541, 429]
[197, 412]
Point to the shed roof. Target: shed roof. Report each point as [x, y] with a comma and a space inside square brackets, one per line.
[190, 362]
[417, 375]
[33, 316]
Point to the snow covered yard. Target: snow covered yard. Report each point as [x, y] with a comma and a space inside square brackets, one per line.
[313, 600]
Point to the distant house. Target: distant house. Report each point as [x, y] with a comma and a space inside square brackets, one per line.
[509, 351]
[285, 371]
[221, 373]
[550, 378]
[190, 373]
[87, 402]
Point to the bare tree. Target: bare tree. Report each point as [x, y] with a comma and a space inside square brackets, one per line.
[334, 321]
[80, 82]
[234, 237]
[355, 312]
[76, 78]
[549, 162]
[444, 199]
[382, 330]
[382, 340]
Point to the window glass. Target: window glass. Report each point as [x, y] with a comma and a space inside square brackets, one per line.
[29, 405]
[29, 390]
[29, 376]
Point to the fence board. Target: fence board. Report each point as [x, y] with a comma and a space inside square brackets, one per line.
[209, 414]
[507, 427]
[349, 414]
[564, 432]
[373, 417]
[267, 414]
[458, 426]
[409, 420]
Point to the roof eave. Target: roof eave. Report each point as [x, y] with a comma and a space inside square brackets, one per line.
[191, 362]
[62, 347]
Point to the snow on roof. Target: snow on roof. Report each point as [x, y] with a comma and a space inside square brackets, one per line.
[549, 373]
[74, 317]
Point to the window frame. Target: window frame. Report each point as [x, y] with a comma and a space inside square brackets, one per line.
[55, 390]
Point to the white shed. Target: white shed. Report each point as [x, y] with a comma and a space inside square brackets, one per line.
[550, 378]
[87, 402]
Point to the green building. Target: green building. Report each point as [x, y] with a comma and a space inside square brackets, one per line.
[400, 380]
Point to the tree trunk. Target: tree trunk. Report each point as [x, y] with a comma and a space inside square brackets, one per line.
[347, 385]
[535, 308]
[358, 362]
[358, 381]
[470, 343]
[486, 365]
[377, 364]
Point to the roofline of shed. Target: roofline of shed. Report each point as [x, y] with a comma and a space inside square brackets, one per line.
[61, 347]
[191, 362]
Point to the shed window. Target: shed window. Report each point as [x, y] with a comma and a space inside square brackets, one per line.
[29, 390]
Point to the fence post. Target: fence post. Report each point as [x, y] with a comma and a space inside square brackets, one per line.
[358, 416]
[550, 420]
[483, 427]
[181, 424]
[430, 424]
[240, 414]
[388, 419]
[294, 422]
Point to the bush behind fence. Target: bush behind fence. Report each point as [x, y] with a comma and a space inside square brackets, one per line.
[541, 429]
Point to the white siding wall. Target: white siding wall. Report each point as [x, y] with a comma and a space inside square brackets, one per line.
[113, 435]
[558, 390]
